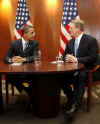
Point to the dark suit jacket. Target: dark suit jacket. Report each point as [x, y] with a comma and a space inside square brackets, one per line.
[87, 50]
[16, 49]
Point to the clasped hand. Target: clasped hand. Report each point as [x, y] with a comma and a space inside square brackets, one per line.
[18, 59]
[70, 58]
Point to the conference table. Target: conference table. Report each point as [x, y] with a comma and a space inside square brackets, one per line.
[47, 90]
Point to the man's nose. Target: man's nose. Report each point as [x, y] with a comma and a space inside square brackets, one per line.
[33, 34]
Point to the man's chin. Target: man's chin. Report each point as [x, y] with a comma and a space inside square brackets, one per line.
[30, 40]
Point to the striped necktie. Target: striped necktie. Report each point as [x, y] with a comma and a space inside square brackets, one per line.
[26, 45]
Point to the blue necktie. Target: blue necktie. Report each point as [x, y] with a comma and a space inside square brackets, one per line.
[75, 47]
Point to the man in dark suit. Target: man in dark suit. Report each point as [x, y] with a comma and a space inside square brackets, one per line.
[81, 49]
[22, 51]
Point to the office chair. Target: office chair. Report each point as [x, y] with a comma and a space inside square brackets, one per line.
[93, 80]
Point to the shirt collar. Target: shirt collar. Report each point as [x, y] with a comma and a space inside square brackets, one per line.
[79, 37]
[23, 41]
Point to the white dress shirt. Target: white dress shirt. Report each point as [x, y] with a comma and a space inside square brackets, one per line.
[24, 43]
[79, 38]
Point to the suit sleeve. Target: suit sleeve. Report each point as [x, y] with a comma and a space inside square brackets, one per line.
[68, 49]
[34, 53]
[9, 54]
[92, 53]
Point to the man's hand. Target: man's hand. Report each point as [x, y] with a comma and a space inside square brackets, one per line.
[71, 58]
[18, 59]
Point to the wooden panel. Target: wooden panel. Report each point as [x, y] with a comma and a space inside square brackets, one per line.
[6, 24]
[4, 33]
[47, 20]
[47, 24]
[89, 11]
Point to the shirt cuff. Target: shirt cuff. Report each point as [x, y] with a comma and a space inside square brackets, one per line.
[76, 60]
[10, 60]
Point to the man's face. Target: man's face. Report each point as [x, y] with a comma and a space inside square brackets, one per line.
[29, 35]
[74, 30]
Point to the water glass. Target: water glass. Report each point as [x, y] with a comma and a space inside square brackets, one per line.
[37, 61]
[59, 60]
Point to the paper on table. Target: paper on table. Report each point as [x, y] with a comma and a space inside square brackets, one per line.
[16, 64]
[55, 62]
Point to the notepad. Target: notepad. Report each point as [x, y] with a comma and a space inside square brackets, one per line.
[55, 62]
[16, 64]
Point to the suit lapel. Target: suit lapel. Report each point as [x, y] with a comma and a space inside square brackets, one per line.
[20, 46]
[73, 41]
[80, 44]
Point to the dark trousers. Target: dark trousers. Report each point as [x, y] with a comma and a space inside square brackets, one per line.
[18, 79]
[78, 80]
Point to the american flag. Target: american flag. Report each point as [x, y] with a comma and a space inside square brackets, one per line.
[22, 18]
[69, 12]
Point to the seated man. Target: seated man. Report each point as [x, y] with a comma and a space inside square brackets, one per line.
[81, 49]
[22, 51]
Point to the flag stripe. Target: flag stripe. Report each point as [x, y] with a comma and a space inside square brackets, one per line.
[63, 45]
[69, 13]
[22, 18]
[29, 23]
[61, 51]
[17, 34]
[65, 33]
[63, 37]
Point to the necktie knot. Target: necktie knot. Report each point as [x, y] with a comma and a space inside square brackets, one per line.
[27, 44]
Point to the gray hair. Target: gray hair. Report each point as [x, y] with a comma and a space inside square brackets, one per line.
[78, 24]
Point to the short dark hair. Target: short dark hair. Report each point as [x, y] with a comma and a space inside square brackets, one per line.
[26, 28]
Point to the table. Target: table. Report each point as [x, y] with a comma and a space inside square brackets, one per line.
[1, 101]
[47, 92]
